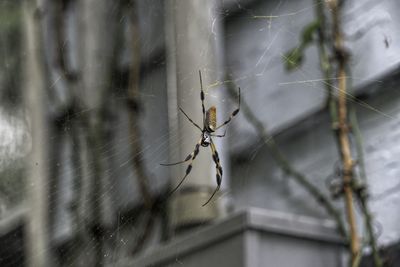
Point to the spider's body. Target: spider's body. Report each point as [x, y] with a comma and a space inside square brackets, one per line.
[205, 138]
[209, 127]
[210, 124]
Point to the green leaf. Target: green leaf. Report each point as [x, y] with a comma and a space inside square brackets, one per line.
[294, 57]
[307, 35]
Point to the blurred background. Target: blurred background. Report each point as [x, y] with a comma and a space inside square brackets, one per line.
[90, 93]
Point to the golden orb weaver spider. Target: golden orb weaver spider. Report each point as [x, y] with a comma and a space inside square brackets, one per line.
[209, 127]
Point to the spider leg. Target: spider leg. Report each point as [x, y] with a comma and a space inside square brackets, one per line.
[189, 157]
[202, 98]
[234, 113]
[219, 135]
[190, 119]
[218, 169]
[192, 156]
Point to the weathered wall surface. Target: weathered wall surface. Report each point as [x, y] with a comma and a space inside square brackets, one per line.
[288, 103]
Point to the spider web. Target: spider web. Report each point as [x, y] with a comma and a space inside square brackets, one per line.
[253, 38]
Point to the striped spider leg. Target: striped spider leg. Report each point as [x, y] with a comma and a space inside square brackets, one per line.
[191, 157]
[218, 170]
[207, 132]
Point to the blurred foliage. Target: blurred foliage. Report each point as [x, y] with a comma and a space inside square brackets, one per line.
[11, 150]
[12, 183]
[10, 53]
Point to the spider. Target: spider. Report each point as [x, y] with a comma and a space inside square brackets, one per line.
[209, 127]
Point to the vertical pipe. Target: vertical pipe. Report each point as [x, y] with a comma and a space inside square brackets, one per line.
[37, 174]
[190, 48]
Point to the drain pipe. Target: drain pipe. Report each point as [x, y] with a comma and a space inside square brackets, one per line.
[191, 47]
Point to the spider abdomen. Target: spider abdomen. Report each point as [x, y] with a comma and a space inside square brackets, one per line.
[211, 119]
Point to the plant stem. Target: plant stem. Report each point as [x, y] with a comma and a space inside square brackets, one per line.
[362, 195]
[135, 134]
[326, 68]
[343, 132]
[134, 104]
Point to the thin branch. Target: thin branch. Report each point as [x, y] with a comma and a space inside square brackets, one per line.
[285, 165]
[368, 218]
[327, 73]
[96, 62]
[150, 203]
[343, 131]
[362, 193]
[325, 64]
[135, 109]
[326, 67]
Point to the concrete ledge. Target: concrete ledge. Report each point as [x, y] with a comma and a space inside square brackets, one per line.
[259, 221]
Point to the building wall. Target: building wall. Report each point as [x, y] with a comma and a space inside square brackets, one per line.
[291, 105]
